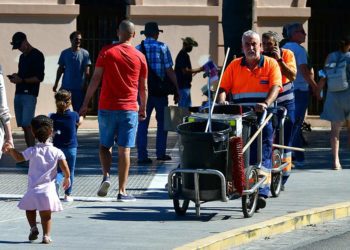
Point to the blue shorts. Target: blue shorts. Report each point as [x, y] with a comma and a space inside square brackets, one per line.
[119, 126]
[24, 109]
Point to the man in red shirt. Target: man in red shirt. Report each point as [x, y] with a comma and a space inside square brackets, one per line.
[123, 71]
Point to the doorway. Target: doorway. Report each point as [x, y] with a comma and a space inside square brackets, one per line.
[328, 23]
[98, 21]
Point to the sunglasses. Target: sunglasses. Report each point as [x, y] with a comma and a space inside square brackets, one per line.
[301, 31]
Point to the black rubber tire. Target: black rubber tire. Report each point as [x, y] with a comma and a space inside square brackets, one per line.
[249, 202]
[181, 206]
[276, 178]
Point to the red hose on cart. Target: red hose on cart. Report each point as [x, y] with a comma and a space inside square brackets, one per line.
[238, 176]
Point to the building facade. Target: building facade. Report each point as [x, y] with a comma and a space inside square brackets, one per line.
[215, 24]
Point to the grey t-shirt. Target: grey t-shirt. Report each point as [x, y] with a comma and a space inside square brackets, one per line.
[74, 63]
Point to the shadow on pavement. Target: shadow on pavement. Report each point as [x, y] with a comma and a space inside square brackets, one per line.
[13, 242]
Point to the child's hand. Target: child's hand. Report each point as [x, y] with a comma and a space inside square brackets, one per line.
[6, 147]
[66, 183]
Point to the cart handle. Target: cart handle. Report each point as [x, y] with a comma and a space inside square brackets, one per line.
[257, 132]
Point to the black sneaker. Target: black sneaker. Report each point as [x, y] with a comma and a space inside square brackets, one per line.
[261, 202]
[103, 189]
[145, 161]
[164, 158]
[125, 198]
[33, 234]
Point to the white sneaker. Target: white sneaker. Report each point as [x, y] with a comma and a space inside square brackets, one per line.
[68, 198]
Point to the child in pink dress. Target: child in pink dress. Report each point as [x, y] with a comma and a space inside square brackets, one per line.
[41, 194]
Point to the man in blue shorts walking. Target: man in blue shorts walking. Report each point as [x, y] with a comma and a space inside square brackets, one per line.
[123, 71]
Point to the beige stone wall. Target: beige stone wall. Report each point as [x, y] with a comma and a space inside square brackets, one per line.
[198, 19]
[47, 28]
[273, 15]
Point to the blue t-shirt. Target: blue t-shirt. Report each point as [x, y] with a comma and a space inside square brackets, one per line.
[74, 63]
[65, 128]
[301, 57]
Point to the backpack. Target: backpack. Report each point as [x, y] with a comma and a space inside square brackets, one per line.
[336, 75]
[157, 86]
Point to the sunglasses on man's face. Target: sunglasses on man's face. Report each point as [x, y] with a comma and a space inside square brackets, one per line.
[301, 31]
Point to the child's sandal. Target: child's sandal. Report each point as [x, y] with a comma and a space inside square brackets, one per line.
[46, 240]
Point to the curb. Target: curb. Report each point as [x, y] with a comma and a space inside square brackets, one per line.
[278, 225]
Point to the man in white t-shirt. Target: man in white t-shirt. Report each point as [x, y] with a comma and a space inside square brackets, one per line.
[303, 84]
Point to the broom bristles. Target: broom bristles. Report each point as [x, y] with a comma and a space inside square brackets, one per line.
[237, 168]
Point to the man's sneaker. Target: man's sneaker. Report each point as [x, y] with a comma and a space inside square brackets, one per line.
[68, 198]
[145, 161]
[22, 164]
[125, 197]
[33, 234]
[105, 184]
[164, 158]
[282, 188]
[261, 203]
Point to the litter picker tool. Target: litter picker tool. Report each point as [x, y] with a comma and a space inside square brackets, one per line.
[211, 106]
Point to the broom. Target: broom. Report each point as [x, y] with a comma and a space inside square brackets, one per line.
[237, 168]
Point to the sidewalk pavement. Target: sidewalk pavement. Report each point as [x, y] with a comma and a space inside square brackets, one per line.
[150, 222]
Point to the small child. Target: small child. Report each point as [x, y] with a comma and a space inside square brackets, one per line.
[41, 194]
[65, 124]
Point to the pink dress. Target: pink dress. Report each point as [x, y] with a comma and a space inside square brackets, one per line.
[41, 194]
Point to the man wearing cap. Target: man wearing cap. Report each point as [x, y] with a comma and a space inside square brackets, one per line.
[30, 73]
[159, 65]
[74, 63]
[184, 71]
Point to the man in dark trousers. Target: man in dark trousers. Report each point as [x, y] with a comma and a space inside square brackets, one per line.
[184, 71]
[74, 63]
[159, 66]
[30, 73]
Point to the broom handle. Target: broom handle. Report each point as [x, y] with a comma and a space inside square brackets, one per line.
[287, 147]
[217, 89]
[257, 132]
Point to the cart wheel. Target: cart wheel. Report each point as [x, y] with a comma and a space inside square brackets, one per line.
[181, 206]
[249, 201]
[276, 178]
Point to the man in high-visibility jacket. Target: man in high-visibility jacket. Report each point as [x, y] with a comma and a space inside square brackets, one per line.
[286, 61]
[254, 80]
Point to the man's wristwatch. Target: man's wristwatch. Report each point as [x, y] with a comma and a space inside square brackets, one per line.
[279, 60]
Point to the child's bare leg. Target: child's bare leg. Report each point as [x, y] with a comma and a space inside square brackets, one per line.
[46, 222]
[31, 217]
